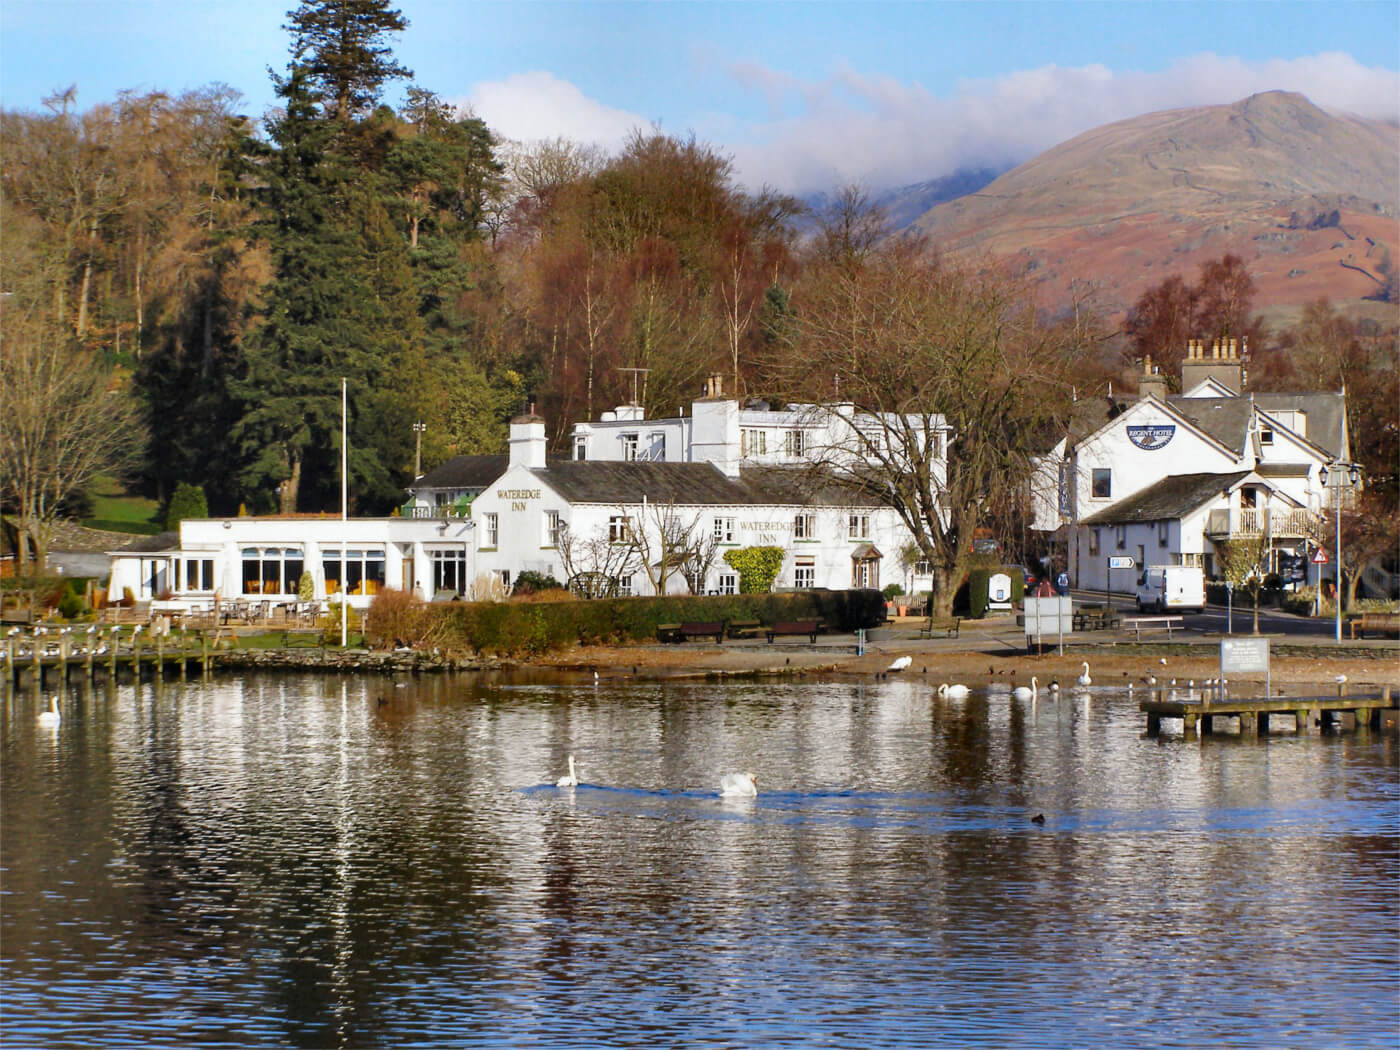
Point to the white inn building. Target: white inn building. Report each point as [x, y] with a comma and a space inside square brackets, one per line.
[643, 507]
[1167, 478]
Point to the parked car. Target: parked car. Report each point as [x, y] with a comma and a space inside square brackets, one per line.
[1032, 580]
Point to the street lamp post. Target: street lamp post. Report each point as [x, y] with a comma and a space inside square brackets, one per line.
[1344, 475]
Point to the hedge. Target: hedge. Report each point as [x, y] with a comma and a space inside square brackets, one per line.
[539, 626]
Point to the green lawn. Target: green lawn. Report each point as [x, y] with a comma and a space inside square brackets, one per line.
[116, 511]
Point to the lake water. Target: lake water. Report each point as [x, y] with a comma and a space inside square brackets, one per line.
[312, 861]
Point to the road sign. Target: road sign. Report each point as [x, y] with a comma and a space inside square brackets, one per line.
[1121, 563]
[1320, 558]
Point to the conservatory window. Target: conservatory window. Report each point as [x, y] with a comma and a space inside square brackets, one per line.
[271, 570]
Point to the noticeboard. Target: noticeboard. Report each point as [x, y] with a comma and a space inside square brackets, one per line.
[1242, 655]
[1239, 655]
[1049, 616]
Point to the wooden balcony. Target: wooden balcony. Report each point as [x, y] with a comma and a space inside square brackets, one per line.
[1248, 522]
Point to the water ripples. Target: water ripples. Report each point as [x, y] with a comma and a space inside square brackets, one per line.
[288, 861]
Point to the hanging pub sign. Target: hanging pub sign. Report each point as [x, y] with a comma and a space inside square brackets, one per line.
[1151, 436]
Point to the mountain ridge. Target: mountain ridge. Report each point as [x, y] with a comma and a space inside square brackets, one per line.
[1308, 197]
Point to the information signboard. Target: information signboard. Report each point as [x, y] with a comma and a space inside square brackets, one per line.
[1243, 655]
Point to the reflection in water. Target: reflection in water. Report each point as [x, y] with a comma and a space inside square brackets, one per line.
[322, 861]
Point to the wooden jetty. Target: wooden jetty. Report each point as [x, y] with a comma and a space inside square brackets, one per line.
[1200, 711]
[47, 656]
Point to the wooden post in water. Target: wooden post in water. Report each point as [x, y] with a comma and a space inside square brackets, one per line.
[136, 654]
[184, 638]
[63, 658]
[160, 653]
[38, 660]
[112, 653]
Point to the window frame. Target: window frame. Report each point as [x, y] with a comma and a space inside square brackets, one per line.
[858, 527]
[1101, 483]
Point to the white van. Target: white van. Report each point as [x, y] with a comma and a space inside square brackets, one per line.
[1180, 588]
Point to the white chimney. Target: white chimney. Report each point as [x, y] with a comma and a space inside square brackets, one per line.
[527, 441]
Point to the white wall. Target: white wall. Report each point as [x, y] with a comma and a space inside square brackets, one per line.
[405, 543]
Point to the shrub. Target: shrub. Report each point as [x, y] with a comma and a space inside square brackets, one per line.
[187, 501]
[539, 626]
[528, 582]
[892, 590]
[396, 618]
[70, 603]
[757, 567]
[330, 623]
[972, 599]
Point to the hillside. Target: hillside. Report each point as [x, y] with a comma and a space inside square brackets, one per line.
[1307, 197]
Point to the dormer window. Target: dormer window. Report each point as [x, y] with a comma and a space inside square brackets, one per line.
[1266, 435]
[629, 447]
[580, 448]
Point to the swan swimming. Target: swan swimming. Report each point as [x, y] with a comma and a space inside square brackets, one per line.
[569, 779]
[51, 717]
[738, 785]
[1022, 693]
[901, 663]
[1084, 679]
[953, 692]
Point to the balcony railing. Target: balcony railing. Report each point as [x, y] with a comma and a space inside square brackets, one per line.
[1290, 523]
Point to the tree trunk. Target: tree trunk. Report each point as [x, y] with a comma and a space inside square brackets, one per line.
[287, 491]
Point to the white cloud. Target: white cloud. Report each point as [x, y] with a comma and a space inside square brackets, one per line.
[881, 132]
[535, 106]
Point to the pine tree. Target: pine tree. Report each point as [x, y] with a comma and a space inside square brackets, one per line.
[340, 46]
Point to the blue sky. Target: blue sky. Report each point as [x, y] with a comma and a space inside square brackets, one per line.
[803, 95]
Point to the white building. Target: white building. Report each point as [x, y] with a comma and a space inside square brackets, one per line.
[263, 558]
[632, 517]
[641, 527]
[1165, 479]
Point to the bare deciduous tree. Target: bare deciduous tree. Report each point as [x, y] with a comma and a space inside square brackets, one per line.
[62, 423]
[917, 349]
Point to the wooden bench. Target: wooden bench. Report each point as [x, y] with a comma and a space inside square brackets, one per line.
[1383, 623]
[744, 628]
[668, 632]
[950, 629]
[1153, 623]
[703, 630]
[811, 628]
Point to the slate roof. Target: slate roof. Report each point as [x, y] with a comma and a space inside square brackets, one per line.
[464, 472]
[691, 484]
[1172, 497]
[1227, 418]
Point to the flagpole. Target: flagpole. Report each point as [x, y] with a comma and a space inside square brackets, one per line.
[344, 520]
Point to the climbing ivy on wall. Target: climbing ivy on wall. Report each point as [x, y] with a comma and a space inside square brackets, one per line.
[757, 567]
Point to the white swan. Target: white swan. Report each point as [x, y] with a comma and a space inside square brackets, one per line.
[953, 692]
[738, 785]
[569, 779]
[51, 717]
[1022, 693]
[1084, 679]
[901, 663]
